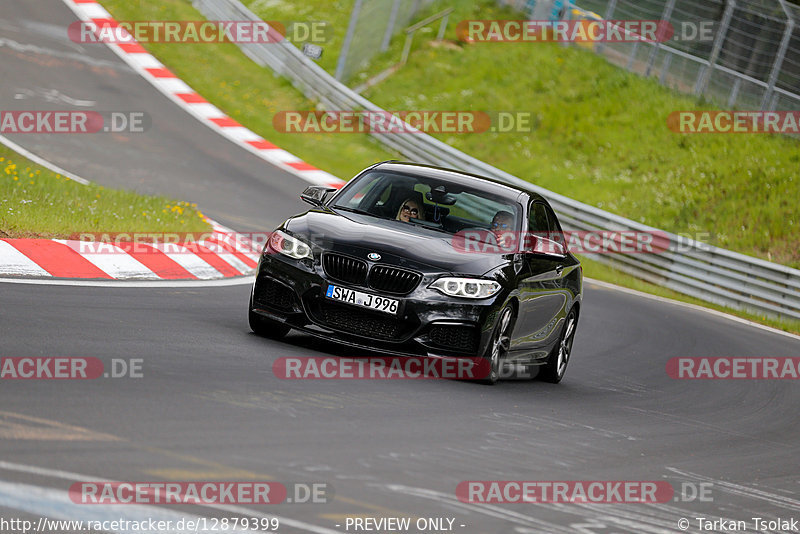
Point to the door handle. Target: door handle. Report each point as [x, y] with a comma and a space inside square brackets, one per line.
[559, 268]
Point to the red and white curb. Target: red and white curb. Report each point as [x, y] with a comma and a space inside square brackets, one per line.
[224, 254]
[179, 92]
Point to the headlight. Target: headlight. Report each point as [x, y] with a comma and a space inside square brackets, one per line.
[289, 246]
[471, 288]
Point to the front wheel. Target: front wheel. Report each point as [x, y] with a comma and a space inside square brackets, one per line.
[498, 348]
[267, 327]
[553, 371]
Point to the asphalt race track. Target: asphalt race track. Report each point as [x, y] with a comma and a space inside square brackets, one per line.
[208, 406]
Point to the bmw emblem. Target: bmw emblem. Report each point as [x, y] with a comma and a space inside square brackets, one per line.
[374, 256]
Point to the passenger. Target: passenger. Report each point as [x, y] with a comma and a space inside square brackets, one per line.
[409, 209]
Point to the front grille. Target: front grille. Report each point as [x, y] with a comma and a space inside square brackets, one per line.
[272, 294]
[393, 280]
[359, 322]
[345, 268]
[454, 337]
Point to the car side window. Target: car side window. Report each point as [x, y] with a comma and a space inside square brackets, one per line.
[537, 219]
[556, 234]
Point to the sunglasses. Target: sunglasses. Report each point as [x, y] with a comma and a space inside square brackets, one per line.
[500, 225]
[412, 211]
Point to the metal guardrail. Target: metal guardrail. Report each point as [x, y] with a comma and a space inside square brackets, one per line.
[690, 267]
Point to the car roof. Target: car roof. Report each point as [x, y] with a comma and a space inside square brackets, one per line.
[453, 175]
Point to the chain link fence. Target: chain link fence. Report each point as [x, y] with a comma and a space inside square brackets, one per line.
[742, 54]
[372, 25]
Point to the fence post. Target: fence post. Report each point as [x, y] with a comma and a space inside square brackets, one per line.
[442, 27]
[387, 37]
[662, 79]
[734, 94]
[664, 17]
[612, 5]
[776, 67]
[351, 29]
[634, 50]
[707, 71]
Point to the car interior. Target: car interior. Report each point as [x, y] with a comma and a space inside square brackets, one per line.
[385, 196]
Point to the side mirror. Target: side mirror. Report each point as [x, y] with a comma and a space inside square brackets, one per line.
[315, 194]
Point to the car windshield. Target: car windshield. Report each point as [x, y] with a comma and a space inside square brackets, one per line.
[431, 202]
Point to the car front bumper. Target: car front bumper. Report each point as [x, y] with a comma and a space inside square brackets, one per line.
[428, 323]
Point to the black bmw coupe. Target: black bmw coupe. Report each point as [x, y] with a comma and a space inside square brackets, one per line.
[416, 260]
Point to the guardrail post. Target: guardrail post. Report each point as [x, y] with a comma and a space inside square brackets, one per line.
[665, 16]
[351, 29]
[705, 72]
[776, 67]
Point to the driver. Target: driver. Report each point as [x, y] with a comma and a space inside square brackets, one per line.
[409, 209]
[503, 228]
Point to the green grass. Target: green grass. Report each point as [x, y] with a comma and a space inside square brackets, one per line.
[600, 133]
[36, 202]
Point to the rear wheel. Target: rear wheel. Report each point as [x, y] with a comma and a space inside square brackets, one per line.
[553, 371]
[498, 348]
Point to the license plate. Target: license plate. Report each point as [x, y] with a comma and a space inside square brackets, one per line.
[365, 300]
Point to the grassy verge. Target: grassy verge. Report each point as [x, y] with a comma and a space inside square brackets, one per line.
[600, 133]
[36, 202]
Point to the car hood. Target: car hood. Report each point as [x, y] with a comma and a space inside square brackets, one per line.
[398, 243]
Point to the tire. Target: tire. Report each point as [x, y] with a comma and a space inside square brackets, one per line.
[498, 347]
[553, 371]
[267, 327]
